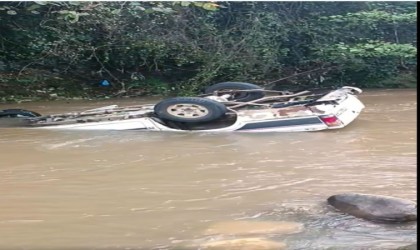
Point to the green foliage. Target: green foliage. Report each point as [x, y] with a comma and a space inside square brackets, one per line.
[369, 45]
[404, 80]
[371, 17]
[370, 49]
[204, 5]
[151, 85]
[180, 47]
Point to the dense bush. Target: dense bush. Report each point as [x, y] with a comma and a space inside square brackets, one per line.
[162, 47]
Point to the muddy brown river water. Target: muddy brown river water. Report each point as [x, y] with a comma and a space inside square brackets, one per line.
[153, 190]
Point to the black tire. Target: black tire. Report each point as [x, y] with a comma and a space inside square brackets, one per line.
[239, 96]
[190, 109]
[17, 113]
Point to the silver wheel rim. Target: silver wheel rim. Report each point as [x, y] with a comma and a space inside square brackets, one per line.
[187, 110]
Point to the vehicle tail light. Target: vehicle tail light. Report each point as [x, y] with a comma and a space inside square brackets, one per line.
[331, 120]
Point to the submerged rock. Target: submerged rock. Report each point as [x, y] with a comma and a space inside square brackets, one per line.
[254, 227]
[409, 247]
[244, 244]
[375, 207]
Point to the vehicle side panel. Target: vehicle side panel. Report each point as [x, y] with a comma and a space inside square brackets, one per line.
[282, 123]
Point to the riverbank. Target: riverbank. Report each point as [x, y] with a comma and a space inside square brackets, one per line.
[53, 87]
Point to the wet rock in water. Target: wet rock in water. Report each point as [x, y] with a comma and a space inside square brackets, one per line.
[244, 244]
[375, 207]
[409, 247]
[254, 227]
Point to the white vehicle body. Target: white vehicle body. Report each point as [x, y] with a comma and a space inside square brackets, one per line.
[336, 109]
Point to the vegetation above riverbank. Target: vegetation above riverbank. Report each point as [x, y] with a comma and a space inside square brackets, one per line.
[54, 50]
